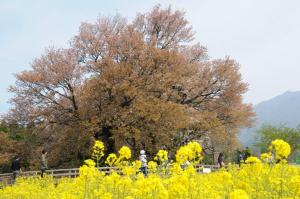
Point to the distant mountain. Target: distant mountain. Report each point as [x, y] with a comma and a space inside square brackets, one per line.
[281, 110]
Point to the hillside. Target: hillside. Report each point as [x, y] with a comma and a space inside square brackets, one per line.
[282, 109]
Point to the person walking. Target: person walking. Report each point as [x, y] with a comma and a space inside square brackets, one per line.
[221, 160]
[44, 165]
[143, 159]
[16, 168]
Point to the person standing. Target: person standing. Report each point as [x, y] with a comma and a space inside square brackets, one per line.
[16, 168]
[246, 153]
[143, 159]
[44, 165]
[240, 158]
[221, 160]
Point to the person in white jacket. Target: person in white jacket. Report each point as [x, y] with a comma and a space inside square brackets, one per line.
[143, 159]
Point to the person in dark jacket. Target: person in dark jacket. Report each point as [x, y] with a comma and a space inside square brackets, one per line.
[221, 160]
[44, 165]
[246, 153]
[16, 168]
[240, 157]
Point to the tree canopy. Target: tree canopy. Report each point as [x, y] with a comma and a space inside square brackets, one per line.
[145, 84]
[267, 133]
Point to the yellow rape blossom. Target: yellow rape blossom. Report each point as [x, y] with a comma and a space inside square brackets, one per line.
[98, 151]
[152, 166]
[245, 182]
[238, 194]
[281, 148]
[252, 160]
[161, 156]
[125, 152]
[111, 159]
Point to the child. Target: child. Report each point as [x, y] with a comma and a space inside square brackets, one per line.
[143, 159]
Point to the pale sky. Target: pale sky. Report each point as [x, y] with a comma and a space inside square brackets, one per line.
[262, 35]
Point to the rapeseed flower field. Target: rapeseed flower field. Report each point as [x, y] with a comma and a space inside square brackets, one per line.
[256, 178]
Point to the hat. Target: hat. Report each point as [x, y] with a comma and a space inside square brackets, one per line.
[142, 152]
